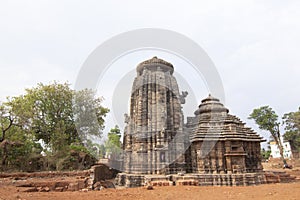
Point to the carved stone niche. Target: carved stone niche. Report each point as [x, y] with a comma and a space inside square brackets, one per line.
[237, 146]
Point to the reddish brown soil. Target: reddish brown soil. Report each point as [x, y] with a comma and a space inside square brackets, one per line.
[282, 191]
[272, 191]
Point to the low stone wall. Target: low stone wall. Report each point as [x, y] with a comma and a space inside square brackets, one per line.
[96, 178]
[279, 177]
[133, 180]
[45, 174]
[220, 179]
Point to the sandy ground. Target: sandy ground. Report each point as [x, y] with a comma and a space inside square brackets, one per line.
[282, 191]
[286, 191]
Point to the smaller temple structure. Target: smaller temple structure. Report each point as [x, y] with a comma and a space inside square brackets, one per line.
[220, 142]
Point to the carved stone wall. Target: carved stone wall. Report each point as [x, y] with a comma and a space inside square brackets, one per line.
[154, 128]
[220, 142]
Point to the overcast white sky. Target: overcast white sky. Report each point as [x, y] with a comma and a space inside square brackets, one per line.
[255, 45]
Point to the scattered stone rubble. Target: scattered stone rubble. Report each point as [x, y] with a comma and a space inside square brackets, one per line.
[99, 177]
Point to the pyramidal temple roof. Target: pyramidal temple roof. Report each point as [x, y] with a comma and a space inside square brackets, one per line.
[214, 121]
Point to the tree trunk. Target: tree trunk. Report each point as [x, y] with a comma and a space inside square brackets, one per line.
[4, 158]
[277, 139]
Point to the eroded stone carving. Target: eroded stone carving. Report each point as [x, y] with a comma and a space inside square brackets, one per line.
[183, 96]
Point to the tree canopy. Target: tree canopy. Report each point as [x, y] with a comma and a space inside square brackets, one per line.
[113, 144]
[51, 118]
[292, 127]
[266, 119]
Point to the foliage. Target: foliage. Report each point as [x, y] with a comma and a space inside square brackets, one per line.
[52, 115]
[113, 144]
[292, 127]
[89, 112]
[56, 117]
[265, 154]
[6, 121]
[267, 120]
[101, 151]
[114, 136]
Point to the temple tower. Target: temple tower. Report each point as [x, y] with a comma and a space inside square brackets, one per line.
[153, 137]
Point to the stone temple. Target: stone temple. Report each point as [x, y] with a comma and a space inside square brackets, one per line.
[211, 148]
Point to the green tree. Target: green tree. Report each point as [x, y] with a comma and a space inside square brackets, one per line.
[89, 114]
[265, 153]
[267, 119]
[56, 115]
[114, 136]
[101, 150]
[113, 144]
[59, 115]
[7, 121]
[18, 150]
[51, 117]
[292, 127]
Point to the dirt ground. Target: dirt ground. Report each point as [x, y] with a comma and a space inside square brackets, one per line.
[282, 191]
[286, 191]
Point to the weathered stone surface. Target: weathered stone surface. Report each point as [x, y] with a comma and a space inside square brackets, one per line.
[59, 189]
[149, 187]
[212, 148]
[107, 184]
[102, 172]
[45, 189]
[33, 189]
[97, 186]
[278, 177]
[73, 187]
[154, 130]
[220, 142]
